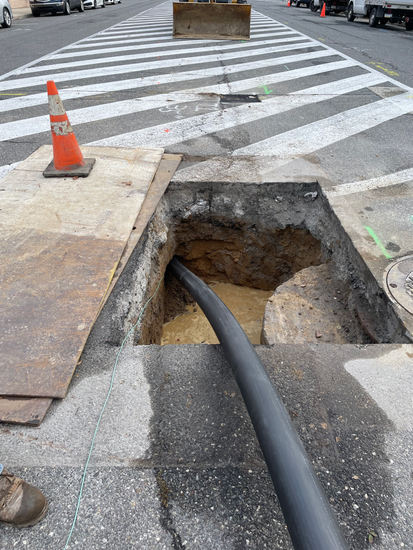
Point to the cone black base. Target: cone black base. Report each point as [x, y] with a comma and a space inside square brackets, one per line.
[79, 171]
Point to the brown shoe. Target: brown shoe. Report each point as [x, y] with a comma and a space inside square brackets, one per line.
[21, 504]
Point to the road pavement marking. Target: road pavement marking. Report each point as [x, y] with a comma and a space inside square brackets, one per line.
[139, 67]
[171, 44]
[200, 126]
[402, 176]
[161, 53]
[8, 105]
[320, 134]
[35, 125]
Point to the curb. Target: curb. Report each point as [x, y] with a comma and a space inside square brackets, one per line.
[18, 16]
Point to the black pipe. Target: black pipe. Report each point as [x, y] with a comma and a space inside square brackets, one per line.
[307, 512]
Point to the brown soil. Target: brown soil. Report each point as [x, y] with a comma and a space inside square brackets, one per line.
[312, 307]
[219, 251]
[245, 255]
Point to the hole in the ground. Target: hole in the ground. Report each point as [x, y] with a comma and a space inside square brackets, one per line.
[282, 239]
[245, 264]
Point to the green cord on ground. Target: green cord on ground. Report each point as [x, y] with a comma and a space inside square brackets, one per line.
[102, 411]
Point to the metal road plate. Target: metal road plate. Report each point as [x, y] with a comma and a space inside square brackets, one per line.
[399, 280]
[240, 98]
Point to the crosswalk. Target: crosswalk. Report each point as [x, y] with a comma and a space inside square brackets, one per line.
[133, 85]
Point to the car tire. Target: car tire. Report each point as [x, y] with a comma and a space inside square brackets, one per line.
[298, 4]
[350, 13]
[6, 19]
[95, 5]
[81, 7]
[373, 19]
[35, 13]
[313, 8]
[103, 5]
[67, 9]
[409, 25]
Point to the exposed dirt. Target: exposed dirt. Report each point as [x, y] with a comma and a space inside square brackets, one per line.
[246, 304]
[245, 255]
[313, 306]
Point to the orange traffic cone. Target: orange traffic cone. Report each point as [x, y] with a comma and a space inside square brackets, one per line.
[67, 156]
[323, 11]
[288, 3]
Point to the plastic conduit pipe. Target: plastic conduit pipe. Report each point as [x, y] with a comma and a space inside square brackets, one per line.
[307, 512]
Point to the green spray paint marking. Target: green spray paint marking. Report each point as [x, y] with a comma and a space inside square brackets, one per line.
[265, 89]
[411, 219]
[377, 241]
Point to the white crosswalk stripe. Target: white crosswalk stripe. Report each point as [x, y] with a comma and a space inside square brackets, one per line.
[88, 90]
[160, 53]
[36, 125]
[174, 89]
[207, 124]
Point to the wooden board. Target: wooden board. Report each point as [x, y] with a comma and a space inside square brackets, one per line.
[163, 176]
[61, 241]
[15, 410]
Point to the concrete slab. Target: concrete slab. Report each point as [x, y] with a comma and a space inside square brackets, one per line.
[379, 223]
[177, 462]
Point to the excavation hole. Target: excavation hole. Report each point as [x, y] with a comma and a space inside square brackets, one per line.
[246, 304]
[276, 248]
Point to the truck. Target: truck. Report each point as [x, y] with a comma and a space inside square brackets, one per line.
[381, 12]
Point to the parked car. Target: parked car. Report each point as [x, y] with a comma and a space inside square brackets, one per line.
[6, 14]
[94, 4]
[55, 6]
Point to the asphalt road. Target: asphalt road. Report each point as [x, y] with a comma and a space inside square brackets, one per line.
[125, 82]
[387, 49]
[29, 39]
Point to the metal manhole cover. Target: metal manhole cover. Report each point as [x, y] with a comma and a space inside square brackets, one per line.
[399, 280]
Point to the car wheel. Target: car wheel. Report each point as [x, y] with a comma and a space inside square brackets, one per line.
[81, 7]
[298, 4]
[67, 10]
[313, 8]
[95, 5]
[373, 19]
[350, 13]
[103, 4]
[6, 19]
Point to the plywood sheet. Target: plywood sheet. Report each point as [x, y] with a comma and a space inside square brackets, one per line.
[25, 410]
[60, 242]
[166, 170]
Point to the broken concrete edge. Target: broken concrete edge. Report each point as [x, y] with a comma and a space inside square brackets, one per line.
[281, 205]
[166, 169]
